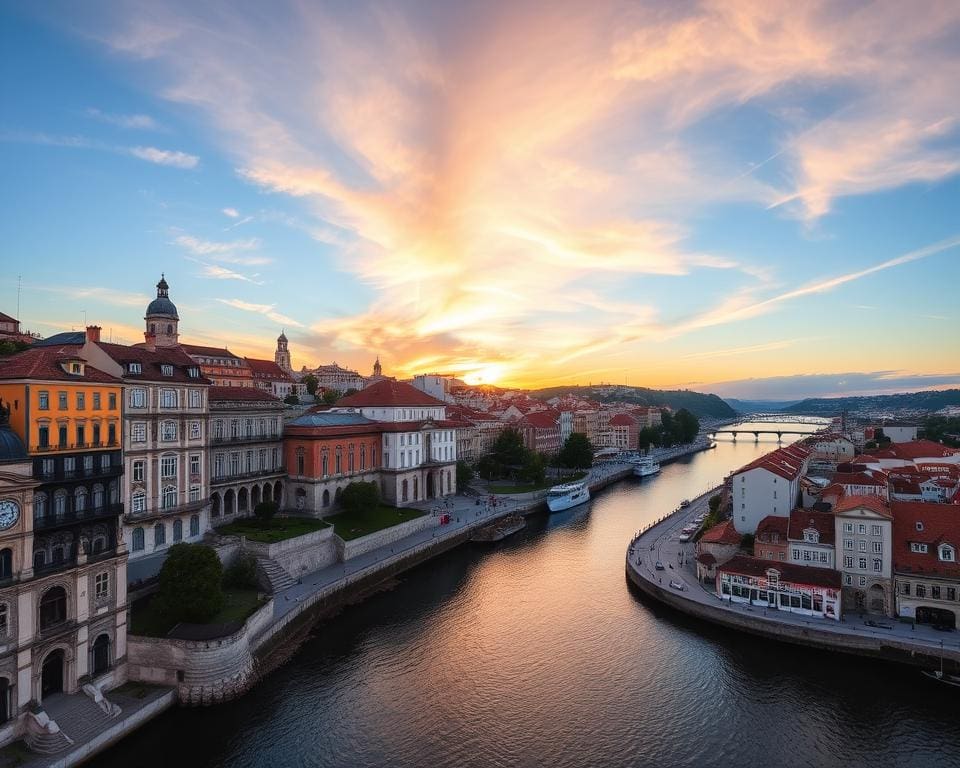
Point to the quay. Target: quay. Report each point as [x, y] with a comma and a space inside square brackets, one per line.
[918, 645]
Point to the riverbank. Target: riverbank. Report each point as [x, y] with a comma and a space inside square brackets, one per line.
[919, 646]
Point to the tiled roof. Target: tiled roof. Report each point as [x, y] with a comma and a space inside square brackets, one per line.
[5, 318]
[705, 558]
[915, 449]
[44, 364]
[388, 393]
[941, 525]
[773, 524]
[821, 522]
[721, 533]
[542, 419]
[468, 414]
[241, 394]
[860, 478]
[196, 349]
[150, 362]
[789, 572]
[873, 503]
[786, 462]
[60, 339]
[623, 420]
[331, 419]
[267, 369]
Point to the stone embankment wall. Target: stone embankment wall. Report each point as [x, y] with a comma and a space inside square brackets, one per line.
[303, 554]
[202, 671]
[354, 547]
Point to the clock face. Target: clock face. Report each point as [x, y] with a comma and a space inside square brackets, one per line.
[9, 513]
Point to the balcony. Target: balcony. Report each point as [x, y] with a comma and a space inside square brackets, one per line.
[241, 439]
[190, 506]
[114, 470]
[71, 516]
[85, 446]
[227, 479]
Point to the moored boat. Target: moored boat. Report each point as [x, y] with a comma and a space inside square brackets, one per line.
[646, 467]
[568, 495]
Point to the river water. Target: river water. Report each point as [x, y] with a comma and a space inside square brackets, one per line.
[535, 652]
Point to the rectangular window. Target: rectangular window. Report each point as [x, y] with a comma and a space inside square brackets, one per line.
[96, 435]
[862, 528]
[848, 562]
[62, 400]
[234, 463]
[138, 398]
[195, 464]
[139, 503]
[81, 401]
[951, 593]
[848, 544]
[43, 435]
[138, 471]
[218, 465]
[62, 435]
[194, 430]
[168, 398]
[249, 461]
[862, 581]
[935, 591]
[878, 566]
[81, 435]
[848, 527]
[862, 563]
[168, 430]
[194, 493]
[166, 370]
[69, 464]
[921, 590]
[195, 398]
[44, 401]
[168, 466]
[112, 434]
[848, 579]
[112, 401]
[862, 545]
[134, 368]
[806, 555]
[878, 547]
[875, 530]
[102, 586]
[905, 588]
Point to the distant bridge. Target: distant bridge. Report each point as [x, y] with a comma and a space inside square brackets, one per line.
[757, 432]
[784, 417]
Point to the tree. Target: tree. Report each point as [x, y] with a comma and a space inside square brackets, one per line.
[488, 468]
[648, 436]
[577, 452]
[265, 511]
[311, 383]
[191, 584]
[464, 475]
[330, 396]
[359, 498]
[508, 448]
[533, 469]
[686, 426]
[242, 572]
[715, 502]
[292, 399]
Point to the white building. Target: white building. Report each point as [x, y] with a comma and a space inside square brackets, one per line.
[768, 486]
[864, 540]
[435, 385]
[810, 538]
[900, 433]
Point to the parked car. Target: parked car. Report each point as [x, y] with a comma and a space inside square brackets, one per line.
[659, 566]
[678, 585]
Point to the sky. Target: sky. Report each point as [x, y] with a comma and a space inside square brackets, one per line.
[757, 199]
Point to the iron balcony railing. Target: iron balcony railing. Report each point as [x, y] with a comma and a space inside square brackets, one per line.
[239, 439]
[84, 446]
[224, 479]
[114, 470]
[190, 506]
[70, 516]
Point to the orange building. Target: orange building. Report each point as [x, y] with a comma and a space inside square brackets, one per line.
[324, 452]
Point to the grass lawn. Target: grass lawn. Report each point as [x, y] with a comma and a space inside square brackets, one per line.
[147, 621]
[528, 487]
[349, 526]
[278, 529]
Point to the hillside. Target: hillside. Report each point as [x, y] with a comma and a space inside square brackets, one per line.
[759, 406]
[907, 402]
[698, 403]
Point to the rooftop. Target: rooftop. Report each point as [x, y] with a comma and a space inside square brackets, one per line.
[389, 393]
[721, 533]
[804, 519]
[873, 503]
[45, 364]
[789, 572]
[241, 394]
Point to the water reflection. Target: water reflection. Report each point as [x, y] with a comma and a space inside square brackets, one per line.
[536, 652]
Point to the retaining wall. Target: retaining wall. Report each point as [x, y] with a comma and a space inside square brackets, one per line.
[303, 554]
[354, 547]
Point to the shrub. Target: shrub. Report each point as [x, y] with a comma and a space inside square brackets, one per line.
[242, 572]
[360, 497]
[265, 511]
[191, 583]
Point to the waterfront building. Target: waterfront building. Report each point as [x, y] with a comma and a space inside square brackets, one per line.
[781, 586]
[770, 485]
[476, 432]
[715, 547]
[810, 537]
[418, 444]
[324, 452]
[770, 539]
[864, 483]
[270, 377]
[917, 453]
[586, 421]
[625, 430]
[246, 451]
[926, 562]
[863, 532]
[541, 431]
[63, 617]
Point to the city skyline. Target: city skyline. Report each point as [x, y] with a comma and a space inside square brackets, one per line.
[760, 200]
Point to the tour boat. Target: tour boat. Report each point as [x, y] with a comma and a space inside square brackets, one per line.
[568, 495]
[646, 467]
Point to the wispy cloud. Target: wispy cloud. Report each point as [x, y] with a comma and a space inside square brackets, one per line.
[233, 213]
[217, 272]
[226, 252]
[135, 121]
[268, 310]
[169, 157]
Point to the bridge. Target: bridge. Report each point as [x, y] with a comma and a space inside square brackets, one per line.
[757, 432]
[783, 417]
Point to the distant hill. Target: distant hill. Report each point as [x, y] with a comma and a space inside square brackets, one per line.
[758, 406]
[697, 403]
[907, 401]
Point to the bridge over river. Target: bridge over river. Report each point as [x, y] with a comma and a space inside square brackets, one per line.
[770, 424]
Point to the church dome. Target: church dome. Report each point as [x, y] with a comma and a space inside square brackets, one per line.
[11, 446]
[162, 304]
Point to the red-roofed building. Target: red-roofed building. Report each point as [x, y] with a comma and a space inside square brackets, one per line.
[220, 365]
[915, 452]
[769, 485]
[717, 545]
[541, 431]
[781, 586]
[926, 562]
[863, 532]
[625, 429]
[476, 432]
[869, 483]
[770, 539]
[270, 377]
[811, 538]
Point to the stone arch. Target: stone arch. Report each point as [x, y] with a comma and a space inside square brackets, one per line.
[216, 504]
[229, 502]
[242, 501]
[101, 654]
[877, 599]
[325, 499]
[61, 653]
[337, 494]
[254, 496]
[278, 493]
[53, 607]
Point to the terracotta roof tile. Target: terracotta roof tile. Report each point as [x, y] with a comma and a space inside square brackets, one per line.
[241, 394]
[940, 525]
[873, 503]
[722, 533]
[822, 522]
[267, 369]
[44, 364]
[388, 393]
[773, 524]
[789, 572]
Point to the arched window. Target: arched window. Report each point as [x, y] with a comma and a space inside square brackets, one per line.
[338, 464]
[101, 654]
[169, 327]
[159, 535]
[325, 463]
[4, 620]
[350, 464]
[6, 563]
[363, 456]
[169, 496]
[194, 525]
[98, 497]
[326, 497]
[947, 553]
[137, 540]
[99, 544]
[53, 608]
[60, 503]
[80, 499]
[40, 505]
[177, 530]
[153, 327]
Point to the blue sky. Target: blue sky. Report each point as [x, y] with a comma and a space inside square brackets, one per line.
[708, 195]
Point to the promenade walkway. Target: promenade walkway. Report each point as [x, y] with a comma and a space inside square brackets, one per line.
[661, 542]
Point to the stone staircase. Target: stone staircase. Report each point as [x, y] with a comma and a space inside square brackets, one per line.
[271, 574]
[79, 717]
[44, 736]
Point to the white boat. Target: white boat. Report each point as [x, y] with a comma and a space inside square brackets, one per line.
[646, 467]
[562, 497]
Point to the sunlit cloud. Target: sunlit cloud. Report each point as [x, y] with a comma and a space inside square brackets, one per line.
[233, 213]
[267, 310]
[169, 157]
[136, 122]
[225, 252]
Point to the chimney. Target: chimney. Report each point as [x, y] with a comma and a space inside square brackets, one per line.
[150, 341]
[93, 333]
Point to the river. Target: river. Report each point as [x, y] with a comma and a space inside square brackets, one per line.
[536, 652]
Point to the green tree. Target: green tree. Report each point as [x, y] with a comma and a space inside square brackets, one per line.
[330, 396]
[311, 383]
[577, 452]
[292, 399]
[191, 583]
[533, 469]
[265, 512]
[464, 475]
[359, 497]
[508, 449]
[648, 436]
[242, 572]
[686, 426]
[488, 468]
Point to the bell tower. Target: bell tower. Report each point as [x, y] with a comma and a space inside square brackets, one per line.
[161, 319]
[282, 356]
[377, 369]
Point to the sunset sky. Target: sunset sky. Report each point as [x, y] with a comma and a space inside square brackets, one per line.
[757, 199]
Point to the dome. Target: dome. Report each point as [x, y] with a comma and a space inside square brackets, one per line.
[11, 446]
[162, 304]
